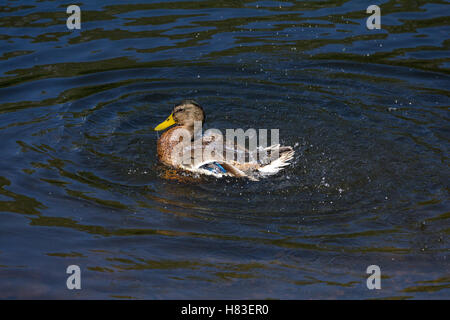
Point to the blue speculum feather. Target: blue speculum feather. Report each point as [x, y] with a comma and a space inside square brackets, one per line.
[214, 167]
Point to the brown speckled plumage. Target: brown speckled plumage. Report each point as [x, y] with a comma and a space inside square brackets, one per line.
[184, 115]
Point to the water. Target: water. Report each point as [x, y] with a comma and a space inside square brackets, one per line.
[367, 112]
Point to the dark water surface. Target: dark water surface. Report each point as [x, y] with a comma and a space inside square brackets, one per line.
[367, 112]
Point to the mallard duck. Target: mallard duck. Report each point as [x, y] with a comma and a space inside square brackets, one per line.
[204, 154]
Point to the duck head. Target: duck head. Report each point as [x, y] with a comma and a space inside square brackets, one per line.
[183, 114]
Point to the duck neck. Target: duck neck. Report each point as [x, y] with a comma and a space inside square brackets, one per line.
[194, 129]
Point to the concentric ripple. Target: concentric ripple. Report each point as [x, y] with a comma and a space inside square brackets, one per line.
[366, 112]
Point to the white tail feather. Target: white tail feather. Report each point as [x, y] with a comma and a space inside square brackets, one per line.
[278, 164]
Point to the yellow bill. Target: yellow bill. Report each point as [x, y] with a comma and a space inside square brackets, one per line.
[169, 122]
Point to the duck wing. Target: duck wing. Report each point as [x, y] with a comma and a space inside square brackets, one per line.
[216, 168]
